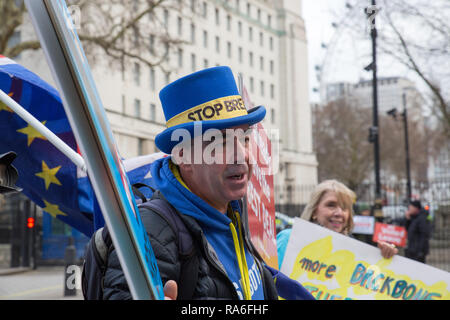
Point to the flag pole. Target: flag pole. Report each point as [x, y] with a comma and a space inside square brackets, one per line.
[54, 139]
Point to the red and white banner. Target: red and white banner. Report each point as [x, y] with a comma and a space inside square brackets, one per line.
[390, 233]
[260, 194]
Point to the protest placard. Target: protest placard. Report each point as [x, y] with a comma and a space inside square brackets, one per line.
[260, 194]
[333, 266]
[390, 233]
[363, 224]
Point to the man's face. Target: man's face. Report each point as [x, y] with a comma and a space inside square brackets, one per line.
[412, 210]
[224, 171]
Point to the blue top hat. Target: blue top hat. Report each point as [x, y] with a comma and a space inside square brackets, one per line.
[205, 99]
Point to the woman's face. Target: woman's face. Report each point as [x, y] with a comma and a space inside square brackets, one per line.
[329, 214]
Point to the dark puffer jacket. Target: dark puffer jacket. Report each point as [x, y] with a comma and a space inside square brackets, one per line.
[212, 281]
[419, 231]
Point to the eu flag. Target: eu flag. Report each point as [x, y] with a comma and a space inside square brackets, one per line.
[46, 175]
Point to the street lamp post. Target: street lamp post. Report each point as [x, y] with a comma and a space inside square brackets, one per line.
[376, 142]
[405, 127]
[374, 130]
[404, 114]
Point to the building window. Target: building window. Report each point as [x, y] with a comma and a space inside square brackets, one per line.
[250, 34]
[151, 44]
[261, 63]
[240, 54]
[167, 77]
[217, 44]
[137, 108]
[180, 26]
[229, 49]
[240, 28]
[261, 39]
[152, 79]
[123, 104]
[205, 38]
[249, 10]
[193, 62]
[228, 22]
[141, 146]
[271, 67]
[193, 4]
[261, 87]
[271, 43]
[180, 57]
[192, 33]
[237, 5]
[152, 112]
[167, 51]
[166, 18]
[272, 115]
[135, 36]
[217, 15]
[205, 63]
[250, 58]
[269, 20]
[272, 91]
[205, 9]
[252, 85]
[137, 74]
[259, 14]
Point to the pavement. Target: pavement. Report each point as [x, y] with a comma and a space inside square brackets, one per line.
[44, 283]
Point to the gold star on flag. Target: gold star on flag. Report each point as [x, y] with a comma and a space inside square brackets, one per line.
[32, 133]
[53, 209]
[49, 175]
[3, 106]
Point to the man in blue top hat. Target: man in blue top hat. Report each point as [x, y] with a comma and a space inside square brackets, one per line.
[204, 179]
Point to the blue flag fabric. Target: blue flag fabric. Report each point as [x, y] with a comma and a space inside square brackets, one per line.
[47, 176]
[138, 171]
[289, 289]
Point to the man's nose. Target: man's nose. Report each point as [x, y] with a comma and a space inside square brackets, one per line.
[239, 153]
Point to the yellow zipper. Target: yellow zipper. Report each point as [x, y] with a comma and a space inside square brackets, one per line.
[240, 254]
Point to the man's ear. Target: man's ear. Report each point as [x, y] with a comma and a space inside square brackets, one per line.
[183, 161]
[179, 155]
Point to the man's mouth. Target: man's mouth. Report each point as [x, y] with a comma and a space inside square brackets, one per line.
[237, 173]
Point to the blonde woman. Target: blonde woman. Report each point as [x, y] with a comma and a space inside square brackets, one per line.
[331, 206]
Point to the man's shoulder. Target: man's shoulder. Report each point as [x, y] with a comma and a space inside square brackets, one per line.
[158, 216]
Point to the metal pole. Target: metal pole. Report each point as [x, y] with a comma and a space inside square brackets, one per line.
[376, 145]
[34, 244]
[85, 111]
[26, 253]
[408, 168]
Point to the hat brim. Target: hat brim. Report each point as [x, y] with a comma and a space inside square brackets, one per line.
[165, 142]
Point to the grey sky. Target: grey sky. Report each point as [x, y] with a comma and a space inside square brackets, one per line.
[345, 57]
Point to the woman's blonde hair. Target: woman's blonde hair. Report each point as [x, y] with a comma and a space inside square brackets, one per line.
[345, 197]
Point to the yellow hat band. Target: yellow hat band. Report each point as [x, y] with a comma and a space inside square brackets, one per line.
[218, 109]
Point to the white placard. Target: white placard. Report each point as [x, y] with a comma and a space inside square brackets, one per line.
[333, 266]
